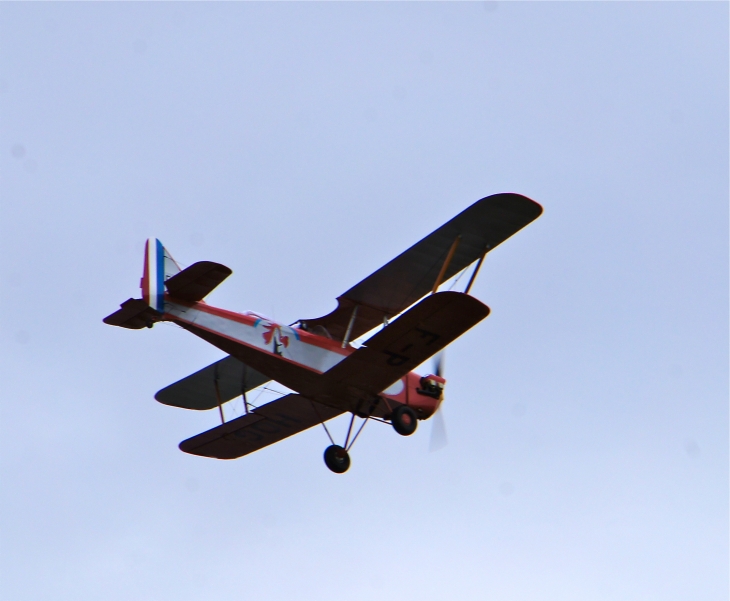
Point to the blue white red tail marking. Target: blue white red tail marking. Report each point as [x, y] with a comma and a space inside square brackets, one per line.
[158, 266]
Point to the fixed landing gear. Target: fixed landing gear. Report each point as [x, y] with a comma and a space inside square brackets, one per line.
[404, 420]
[337, 459]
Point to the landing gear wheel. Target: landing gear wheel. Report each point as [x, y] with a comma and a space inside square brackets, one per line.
[404, 420]
[337, 459]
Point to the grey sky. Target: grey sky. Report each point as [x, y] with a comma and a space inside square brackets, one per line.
[304, 145]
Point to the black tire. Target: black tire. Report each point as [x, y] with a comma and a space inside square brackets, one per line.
[404, 420]
[337, 459]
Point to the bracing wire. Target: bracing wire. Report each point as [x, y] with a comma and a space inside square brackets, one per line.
[462, 272]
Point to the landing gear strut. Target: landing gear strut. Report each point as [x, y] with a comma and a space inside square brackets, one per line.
[404, 420]
[337, 459]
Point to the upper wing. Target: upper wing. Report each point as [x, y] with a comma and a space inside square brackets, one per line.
[266, 425]
[418, 334]
[194, 283]
[400, 283]
[198, 391]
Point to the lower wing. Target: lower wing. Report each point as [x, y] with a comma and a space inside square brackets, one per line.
[212, 386]
[266, 425]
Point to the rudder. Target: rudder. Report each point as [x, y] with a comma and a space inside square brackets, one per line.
[159, 266]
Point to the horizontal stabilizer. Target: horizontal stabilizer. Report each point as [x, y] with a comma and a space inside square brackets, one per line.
[197, 281]
[418, 334]
[198, 391]
[266, 425]
[134, 314]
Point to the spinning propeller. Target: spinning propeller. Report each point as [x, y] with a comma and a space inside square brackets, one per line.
[438, 428]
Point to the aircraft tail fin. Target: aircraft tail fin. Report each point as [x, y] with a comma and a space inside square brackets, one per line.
[159, 266]
[161, 273]
[136, 313]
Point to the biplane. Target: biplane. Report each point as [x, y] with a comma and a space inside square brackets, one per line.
[315, 358]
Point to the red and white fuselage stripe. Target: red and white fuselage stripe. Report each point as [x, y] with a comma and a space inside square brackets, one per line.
[307, 350]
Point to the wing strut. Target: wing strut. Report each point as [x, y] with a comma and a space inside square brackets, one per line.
[476, 271]
[346, 339]
[445, 266]
[218, 395]
[243, 391]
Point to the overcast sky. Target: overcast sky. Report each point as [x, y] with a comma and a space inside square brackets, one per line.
[305, 145]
